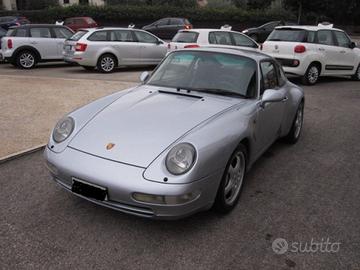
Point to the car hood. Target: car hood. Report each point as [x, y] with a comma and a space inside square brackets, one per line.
[144, 122]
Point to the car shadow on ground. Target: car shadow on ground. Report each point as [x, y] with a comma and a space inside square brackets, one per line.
[322, 80]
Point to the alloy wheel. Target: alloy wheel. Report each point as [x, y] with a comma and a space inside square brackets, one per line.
[313, 74]
[107, 64]
[27, 60]
[299, 121]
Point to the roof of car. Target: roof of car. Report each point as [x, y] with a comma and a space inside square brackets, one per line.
[258, 56]
[308, 27]
[36, 25]
[108, 28]
[207, 30]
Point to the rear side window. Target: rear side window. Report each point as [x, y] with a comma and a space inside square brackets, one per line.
[62, 32]
[20, 32]
[186, 37]
[288, 35]
[40, 32]
[325, 37]
[241, 40]
[122, 36]
[89, 20]
[176, 22]
[69, 21]
[99, 36]
[145, 37]
[221, 38]
[79, 21]
[162, 22]
[78, 35]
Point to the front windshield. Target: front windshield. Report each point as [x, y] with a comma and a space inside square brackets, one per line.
[204, 71]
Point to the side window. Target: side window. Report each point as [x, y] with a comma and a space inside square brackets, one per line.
[62, 32]
[40, 32]
[175, 22]
[281, 75]
[21, 32]
[145, 37]
[342, 39]
[325, 37]
[68, 21]
[122, 36]
[311, 37]
[99, 36]
[221, 38]
[162, 22]
[269, 76]
[241, 40]
[79, 22]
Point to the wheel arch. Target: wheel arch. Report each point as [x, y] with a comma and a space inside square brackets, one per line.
[28, 48]
[319, 64]
[110, 53]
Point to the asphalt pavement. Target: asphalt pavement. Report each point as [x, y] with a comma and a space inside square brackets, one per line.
[307, 194]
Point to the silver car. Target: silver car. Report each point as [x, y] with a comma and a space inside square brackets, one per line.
[108, 48]
[182, 141]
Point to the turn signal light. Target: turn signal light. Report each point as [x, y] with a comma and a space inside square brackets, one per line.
[191, 46]
[80, 47]
[9, 44]
[300, 49]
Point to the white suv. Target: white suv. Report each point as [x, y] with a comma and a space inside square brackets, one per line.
[314, 51]
[26, 45]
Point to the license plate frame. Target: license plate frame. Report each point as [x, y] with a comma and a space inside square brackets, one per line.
[89, 190]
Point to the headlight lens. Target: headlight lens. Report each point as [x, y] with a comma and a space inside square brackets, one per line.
[181, 158]
[63, 129]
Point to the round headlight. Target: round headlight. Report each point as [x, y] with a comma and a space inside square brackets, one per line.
[181, 158]
[63, 129]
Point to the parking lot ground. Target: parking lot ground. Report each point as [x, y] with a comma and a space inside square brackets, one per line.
[32, 101]
[307, 194]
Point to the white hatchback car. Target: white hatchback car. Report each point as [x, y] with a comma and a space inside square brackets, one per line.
[314, 51]
[211, 38]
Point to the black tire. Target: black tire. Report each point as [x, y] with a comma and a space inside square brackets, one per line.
[311, 75]
[26, 59]
[356, 76]
[223, 204]
[88, 68]
[254, 37]
[294, 134]
[107, 63]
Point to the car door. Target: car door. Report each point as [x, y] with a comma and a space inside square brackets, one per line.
[152, 50]
[241, 40]
[347, 57]
[41, 39]
[269, 117]
[61, 34]
[128, 50]
[220, 39]
[328, 52]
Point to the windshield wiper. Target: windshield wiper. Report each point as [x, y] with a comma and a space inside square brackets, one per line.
[221, 92]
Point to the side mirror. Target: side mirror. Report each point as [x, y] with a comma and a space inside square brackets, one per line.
[271, 96]
[353, 45]
[144, 76]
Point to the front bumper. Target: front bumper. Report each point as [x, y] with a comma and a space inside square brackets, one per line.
[123, 180]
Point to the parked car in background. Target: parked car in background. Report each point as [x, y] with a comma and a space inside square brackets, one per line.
[168, 27]
[77, 23]
[260, 34]
[109, 48]
[9, 21]
[2, 34]
[183, 141]
[314, 51]
[211, 37]
[25, 46]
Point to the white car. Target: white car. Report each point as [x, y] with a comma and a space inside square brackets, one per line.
[314, 51]
[26, 45]
[211, 38]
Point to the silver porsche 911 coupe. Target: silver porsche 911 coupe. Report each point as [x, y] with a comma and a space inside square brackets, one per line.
[183, 140]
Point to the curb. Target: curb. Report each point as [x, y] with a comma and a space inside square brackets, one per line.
[21, 153]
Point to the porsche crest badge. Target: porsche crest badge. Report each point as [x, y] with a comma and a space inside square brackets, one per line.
[110, 146]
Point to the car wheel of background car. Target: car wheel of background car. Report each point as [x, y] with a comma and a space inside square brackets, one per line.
[232, 181]
[356, 76]
[88, 68]
[107, 63]
[312, 75]
[26, 59]
[295, 131]
[254, 37]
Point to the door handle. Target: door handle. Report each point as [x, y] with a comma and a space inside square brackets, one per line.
[342, 51]
[321, 49]
[285, 99]
[33, 42]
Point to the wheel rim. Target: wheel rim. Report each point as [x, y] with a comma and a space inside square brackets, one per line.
[234, 178]
[27, 60]
[107, 64]
[299, 121]
[313, 74]
[358, 73]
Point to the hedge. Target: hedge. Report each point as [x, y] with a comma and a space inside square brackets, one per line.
[113, 14]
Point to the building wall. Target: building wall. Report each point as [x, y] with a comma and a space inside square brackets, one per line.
[9, 4]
